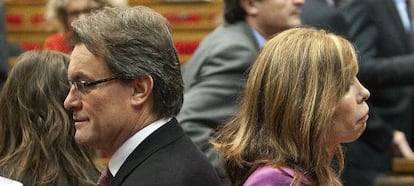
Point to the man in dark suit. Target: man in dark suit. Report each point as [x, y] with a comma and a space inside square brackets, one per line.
[4, 65]
[126, 89]
[381, 34]
[214, 76]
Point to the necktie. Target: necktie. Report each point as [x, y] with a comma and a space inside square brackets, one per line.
[105, 178]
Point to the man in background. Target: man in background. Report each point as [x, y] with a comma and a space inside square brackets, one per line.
[214, 77]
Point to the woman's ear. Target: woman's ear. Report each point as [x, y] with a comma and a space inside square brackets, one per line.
[249, 6]
[142, 89]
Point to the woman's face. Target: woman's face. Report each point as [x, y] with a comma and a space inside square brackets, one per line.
[351, 114]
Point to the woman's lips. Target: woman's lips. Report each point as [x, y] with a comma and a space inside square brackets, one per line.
[364, 119]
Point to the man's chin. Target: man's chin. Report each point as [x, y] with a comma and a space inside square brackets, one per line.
[80, 139]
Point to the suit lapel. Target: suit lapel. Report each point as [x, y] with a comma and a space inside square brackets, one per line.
[157, 140]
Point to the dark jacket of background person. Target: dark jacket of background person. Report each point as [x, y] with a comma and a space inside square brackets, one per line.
[4, 65]
[214, 80]
[319, 14]
[36, 132]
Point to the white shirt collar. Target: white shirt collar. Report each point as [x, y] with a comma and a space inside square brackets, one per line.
[330, 3]
[119, 157]
[401, 6]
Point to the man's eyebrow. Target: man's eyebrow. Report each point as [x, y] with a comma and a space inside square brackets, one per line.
[77, 76]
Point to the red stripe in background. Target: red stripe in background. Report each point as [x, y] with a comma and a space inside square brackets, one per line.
[37, 19]
[30, 46]
[182, 17]
[15, 19]
[186, 47]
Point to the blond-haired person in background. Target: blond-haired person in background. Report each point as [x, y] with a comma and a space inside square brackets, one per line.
[61, 13]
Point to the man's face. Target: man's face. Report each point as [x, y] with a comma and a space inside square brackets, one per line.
[273, 16]
[100, 111]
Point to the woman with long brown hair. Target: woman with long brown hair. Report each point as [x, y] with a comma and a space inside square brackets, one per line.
[37, 145]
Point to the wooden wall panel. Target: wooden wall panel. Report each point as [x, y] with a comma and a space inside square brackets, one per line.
[190, 21]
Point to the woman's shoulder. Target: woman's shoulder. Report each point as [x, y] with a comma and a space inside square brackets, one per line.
[268, 175]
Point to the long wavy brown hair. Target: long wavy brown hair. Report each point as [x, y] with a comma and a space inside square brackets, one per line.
[37, 145]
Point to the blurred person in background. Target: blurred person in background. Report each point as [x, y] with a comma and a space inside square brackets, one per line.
[60, 14]
[324, 14]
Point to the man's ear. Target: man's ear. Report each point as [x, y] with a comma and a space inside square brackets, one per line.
[142, 89]
[249, 6]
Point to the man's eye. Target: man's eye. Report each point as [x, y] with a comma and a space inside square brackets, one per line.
[82, 83]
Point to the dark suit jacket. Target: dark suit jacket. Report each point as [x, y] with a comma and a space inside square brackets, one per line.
[214, 78]
[387, 70]
[166, 157]
[317, 13]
